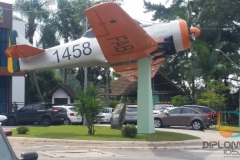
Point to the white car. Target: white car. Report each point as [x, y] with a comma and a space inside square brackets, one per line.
[3, 118]
[73, 116]
[105, 115]
[159, 108]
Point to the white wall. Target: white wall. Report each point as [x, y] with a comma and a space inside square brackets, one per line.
[19, 26]
[18, 90]
[18, 82]
[60, 93]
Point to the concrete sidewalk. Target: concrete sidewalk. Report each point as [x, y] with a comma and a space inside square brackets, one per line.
[34, 142]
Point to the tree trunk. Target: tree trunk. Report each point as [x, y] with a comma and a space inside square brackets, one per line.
[65, 76]
[36, 85]
[193, 90]
[107, 87]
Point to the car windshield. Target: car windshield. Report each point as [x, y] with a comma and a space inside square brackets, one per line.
[72, 109]
[159, 107]
[5, 152]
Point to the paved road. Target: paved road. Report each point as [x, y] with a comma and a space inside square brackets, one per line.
[76, 153]
[53, 152]
[207, 135]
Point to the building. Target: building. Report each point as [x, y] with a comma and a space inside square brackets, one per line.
[162, 88]
[61, 94]
[12, 86]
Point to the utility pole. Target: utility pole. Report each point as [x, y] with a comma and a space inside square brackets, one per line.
[85, 69]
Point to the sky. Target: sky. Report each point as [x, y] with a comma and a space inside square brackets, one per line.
[135, 10]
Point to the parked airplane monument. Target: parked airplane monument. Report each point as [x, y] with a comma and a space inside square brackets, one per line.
[132, 49]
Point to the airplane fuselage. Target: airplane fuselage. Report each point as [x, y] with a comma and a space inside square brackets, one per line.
[86, 51]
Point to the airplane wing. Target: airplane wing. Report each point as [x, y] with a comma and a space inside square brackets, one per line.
[120, 37]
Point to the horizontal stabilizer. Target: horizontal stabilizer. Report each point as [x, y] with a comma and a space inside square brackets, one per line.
[22, 51]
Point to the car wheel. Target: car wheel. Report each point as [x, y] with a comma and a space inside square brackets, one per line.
[197, 125]
[46, 121]
[158, 123]
[67, 121]
[11, 121]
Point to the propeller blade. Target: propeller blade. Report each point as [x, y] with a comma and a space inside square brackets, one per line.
[192, 37]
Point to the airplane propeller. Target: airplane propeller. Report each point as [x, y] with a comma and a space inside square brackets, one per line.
[194, 32]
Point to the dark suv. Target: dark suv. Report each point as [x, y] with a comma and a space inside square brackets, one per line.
[205, 109]
[42, 113]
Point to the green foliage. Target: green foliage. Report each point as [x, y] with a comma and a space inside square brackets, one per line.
[201, 63]
[22, 129]
[124, 99]
[214, 96]
[129, 130]
[47, 80]
[113, 103]
[89, 104]
[179, 100]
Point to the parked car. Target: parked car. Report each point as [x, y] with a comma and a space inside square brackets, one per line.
[205, 109]
[42, 113]
[105, 115]
[182, 116]
[7, 153]
[160, 107]
[131, 114]
[163, 109]
[72, 116]
[3, 119]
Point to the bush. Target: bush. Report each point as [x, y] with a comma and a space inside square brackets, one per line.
[129, 131]
[22, 130]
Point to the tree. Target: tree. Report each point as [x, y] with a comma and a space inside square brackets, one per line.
[214, 96]
[34, 12]
[218, 24]
[47, 80]
[90, 105]
[179, 100]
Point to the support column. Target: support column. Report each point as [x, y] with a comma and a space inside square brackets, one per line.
[145, 122]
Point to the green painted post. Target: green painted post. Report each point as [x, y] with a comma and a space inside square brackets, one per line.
[155, 99]
[145, 122]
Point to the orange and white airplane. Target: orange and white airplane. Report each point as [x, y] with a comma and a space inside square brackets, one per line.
[115, 40]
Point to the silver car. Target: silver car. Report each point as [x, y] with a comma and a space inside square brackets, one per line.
[131, 114]
[182, 116]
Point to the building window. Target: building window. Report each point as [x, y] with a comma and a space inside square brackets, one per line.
[4, 86]
[60, 101]
[3, 46]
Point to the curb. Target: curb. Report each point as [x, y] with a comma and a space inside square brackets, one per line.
[168, 147]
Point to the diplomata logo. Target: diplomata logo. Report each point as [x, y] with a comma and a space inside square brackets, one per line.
[1, 14]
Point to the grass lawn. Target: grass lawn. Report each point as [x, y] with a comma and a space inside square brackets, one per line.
[102, 133]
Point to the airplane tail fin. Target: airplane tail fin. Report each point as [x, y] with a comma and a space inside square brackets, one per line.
[19, 47]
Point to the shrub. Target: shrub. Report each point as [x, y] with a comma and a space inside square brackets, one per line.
[129, 131]
[22, 130]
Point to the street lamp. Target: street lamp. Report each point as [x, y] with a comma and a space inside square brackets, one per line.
[218, 50]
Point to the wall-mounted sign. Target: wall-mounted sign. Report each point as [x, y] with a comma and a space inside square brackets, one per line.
[1, 14]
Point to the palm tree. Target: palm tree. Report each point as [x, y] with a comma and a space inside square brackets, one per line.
[33, 12]
[90, 105]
